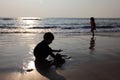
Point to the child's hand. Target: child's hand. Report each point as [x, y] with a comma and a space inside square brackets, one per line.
[60, 50]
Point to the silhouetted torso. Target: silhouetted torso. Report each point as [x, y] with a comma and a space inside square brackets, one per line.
[42, 50]
[93, 25]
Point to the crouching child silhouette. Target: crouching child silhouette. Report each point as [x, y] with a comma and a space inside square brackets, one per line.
[42, 51]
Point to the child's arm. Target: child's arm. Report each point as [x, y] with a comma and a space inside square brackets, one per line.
[57, 50]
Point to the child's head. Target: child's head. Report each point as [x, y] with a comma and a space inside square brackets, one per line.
[48, 37]
[92, 19]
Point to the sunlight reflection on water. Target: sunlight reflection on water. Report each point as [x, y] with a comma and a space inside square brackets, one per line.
[31, 65]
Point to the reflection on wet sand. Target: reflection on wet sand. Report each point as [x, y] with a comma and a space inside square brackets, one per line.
[92, 43]
[47, 71]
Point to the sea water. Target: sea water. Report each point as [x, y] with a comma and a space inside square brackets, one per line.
[18, 37]
[57, 25]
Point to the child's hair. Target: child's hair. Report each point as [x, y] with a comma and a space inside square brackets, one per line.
[92, 18]
[48, 35]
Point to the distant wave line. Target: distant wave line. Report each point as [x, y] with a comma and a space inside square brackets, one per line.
[61, 27]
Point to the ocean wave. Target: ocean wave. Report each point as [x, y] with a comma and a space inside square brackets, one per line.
[32, 19]
[7, 18]
[7, 27]
[60, 27]
[55, 30]
[45, 27]
[87, 27]
[36, 25]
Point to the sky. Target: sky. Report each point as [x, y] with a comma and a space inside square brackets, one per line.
[60, 8]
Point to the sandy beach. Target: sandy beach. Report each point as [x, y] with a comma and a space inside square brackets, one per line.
[102, 62]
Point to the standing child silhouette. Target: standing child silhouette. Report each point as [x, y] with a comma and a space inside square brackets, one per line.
[93, 25]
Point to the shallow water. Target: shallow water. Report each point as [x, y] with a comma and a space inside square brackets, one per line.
[16, 51]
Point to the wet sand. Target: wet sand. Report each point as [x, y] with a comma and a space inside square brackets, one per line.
[99, 63]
